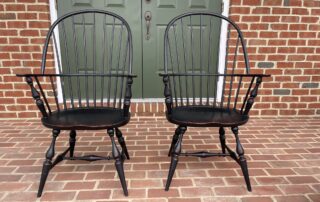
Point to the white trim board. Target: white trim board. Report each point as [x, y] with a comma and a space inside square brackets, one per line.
[53, 18]
[222, 47]
[222, 51]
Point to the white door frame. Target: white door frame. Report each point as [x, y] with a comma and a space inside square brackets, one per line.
[222, 51]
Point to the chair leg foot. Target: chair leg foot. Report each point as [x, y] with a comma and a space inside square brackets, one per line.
[72, 141]
[175, 156]
[244, 168]
[120, 170]
[122, 142]
[47, 165]
[222, 138]
[242, 159]
[119, 162]
[173, 166]
[174, 140]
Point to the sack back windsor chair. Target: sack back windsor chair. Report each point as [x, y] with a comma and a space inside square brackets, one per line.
[197, 92]
[92, 87]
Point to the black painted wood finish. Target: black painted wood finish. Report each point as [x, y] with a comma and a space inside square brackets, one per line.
[197, 93]
[91, 97]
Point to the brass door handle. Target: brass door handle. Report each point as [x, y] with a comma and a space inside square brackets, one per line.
[147, 17]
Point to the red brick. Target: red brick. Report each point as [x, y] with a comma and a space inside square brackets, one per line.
[297, 42]
[146, 183]
[272, 2]
[39, 24]
[32, 33]
[58, 196]
[7, 16]
[298, 27]
[271, 180]
[25, 16]
[154, 193]
[7, 32]
[265, 34]
[14, 186]
[196, 192]
[250, 19]
[270, 19]
[259, 26]
[21, 196]
[282, 11]
[300, 11]
[307, 34]
[280, 26]
[296, 189]
[279, 171]
[27, 1]
[230, 191]
[139, 194]
[291, 198]
[18, 40]
[306, 112]
[254, 199]
[69, 176]
[184, 200]
[15, 7]
[251, 2]
[290, 19]
[79, 185]
[86, 195]
[302, 179]
[261, 10]
[41, 8]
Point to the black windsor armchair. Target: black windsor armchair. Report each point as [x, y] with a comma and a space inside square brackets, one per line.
[198, 93]
[91, 89]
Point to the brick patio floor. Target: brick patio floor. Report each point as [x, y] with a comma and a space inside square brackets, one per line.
[283, 155]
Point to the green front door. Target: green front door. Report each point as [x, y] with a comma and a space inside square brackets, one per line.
[147, 19]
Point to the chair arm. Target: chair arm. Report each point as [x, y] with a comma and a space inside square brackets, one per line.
[167, 92]
[253, 95]
[69, 75]
[36, 97]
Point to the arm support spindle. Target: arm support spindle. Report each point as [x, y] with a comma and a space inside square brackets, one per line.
[36, 97]
[253, 94]
[167, 94]
[127, 98]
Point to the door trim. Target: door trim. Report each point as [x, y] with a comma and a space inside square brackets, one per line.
[222, 51]
[223, 44]
[53, 18]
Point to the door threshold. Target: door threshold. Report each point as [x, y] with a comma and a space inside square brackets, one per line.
[147, 100]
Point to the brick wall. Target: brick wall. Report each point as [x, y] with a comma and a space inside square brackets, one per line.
[283, 39]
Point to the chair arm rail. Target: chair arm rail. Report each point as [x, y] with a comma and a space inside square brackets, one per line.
[80, 75]
[204, 74]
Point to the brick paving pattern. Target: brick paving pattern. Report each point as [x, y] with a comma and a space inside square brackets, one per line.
[283, 155]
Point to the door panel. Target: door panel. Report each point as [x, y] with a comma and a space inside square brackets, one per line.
[162, 12]
[126, 9]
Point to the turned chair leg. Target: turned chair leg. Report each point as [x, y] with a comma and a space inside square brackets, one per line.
[122, 142]
[119, 162]
[222, 138]
[72, 141]
[174, 140]
[242, 159]
[175, 156]
[47, 164]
